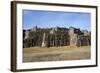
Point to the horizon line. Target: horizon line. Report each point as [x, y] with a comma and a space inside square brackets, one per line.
[56, 27]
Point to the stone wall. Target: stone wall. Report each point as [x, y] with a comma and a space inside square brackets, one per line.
[55, 37]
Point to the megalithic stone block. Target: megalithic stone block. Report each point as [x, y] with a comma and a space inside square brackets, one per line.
[44, 43]
[73, 40]
[26, 35]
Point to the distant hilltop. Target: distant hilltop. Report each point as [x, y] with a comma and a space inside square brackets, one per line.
[57, 36]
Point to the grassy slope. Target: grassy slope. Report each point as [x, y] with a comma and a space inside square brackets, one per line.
[35, 54]
[45, 49]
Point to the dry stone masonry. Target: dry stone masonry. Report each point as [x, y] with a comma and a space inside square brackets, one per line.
[55, 37]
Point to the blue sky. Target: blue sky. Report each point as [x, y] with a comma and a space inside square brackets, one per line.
[48, 19]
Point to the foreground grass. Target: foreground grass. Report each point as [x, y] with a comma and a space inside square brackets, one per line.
[50, 49]
[37, 54]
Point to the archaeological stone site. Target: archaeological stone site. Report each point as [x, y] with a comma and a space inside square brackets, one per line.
[56, 37]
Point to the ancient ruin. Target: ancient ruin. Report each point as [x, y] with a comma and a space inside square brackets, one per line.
[49, 37]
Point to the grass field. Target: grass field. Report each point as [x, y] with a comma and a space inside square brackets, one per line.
[38, 54]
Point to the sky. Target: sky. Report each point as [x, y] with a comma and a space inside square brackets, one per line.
[48, 19]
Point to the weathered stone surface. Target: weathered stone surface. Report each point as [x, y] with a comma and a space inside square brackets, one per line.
[48, 37]
[44, 42]
[73, 40]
